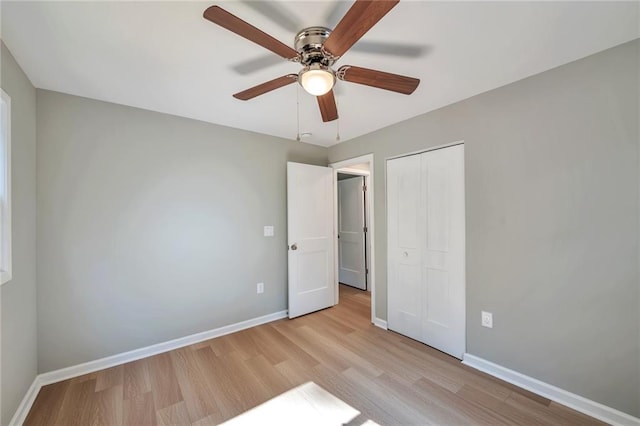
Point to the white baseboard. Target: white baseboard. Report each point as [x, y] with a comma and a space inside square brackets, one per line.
[25, 405]
[571, 400]
[111, 361]
[380, 323]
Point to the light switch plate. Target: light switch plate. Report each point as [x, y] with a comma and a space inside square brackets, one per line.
[260, 288]
[268, 231]
[487, 319]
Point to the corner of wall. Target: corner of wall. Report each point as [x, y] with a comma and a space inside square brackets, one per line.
[18, 311]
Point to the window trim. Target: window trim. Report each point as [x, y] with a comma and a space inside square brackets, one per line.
[5, 189]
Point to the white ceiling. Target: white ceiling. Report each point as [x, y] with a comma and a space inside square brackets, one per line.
[164, 56]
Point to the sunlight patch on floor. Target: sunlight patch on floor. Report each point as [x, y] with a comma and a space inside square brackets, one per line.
[306, 404]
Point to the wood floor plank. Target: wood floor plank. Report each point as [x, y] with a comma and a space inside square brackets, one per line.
[78, 404]
[479, 397]
[354, 358]
[139, 410]
[384, 359]
[391, 402]
[436, 413]
[324, 321]
[324, 354]
[47, 404]
[339, 386]
[193, 385]
[85, 377]
[295, 372]
[109, 377]
[173, 415]
[164, 383]
[404, 364]
[469, 411]
[243, 344]
[388, 378]
[108, 407]
[293, 350]
[268, 375]
[136, 379]
[539, 411]
[272, 352]
[226, 395]
[572, 415]
[422, 357]
[250, 390]
[219, 347]
[349, 392]
[207, 421]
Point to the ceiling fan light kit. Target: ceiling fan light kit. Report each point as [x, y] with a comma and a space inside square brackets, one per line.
[317, 79]
[317, 49]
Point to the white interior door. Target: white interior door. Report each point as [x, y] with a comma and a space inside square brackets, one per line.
[352, 268]
[310, 238]
[427, 248]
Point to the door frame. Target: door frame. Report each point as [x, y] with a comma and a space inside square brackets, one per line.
[369, 206]
[421, 151]
[367, 241]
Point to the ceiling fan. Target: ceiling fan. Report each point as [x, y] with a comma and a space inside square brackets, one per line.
[317, 49]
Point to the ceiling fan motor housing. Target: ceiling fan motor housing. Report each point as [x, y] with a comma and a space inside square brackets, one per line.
[308, 43]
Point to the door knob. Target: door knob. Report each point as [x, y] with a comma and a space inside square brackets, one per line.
[294, 247]
[405, 254]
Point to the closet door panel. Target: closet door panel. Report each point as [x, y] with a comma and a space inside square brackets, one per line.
[443, 320]
[404, 246]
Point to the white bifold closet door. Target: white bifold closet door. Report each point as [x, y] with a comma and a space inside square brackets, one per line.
[426, 248]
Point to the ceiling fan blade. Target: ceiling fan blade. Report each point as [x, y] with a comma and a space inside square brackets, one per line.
[263, 88]
[379, 79]
[328, 108]
[219, 16]
[362, 16]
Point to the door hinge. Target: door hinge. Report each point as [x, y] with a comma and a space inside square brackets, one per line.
[365, 229]
[364, 188]
[366, 271]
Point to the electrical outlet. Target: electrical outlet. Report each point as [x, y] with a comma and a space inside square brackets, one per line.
[260, 288]
[487, 319]
[268, 231]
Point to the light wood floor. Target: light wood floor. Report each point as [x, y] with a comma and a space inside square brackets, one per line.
[389, 378]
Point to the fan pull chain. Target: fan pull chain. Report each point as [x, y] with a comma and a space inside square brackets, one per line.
[298, 111]
[338, 122]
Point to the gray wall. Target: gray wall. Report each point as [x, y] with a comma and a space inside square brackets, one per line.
[552, 221]
[18, 311]
[150, 227]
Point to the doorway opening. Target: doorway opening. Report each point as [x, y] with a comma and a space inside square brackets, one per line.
[354, 229]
